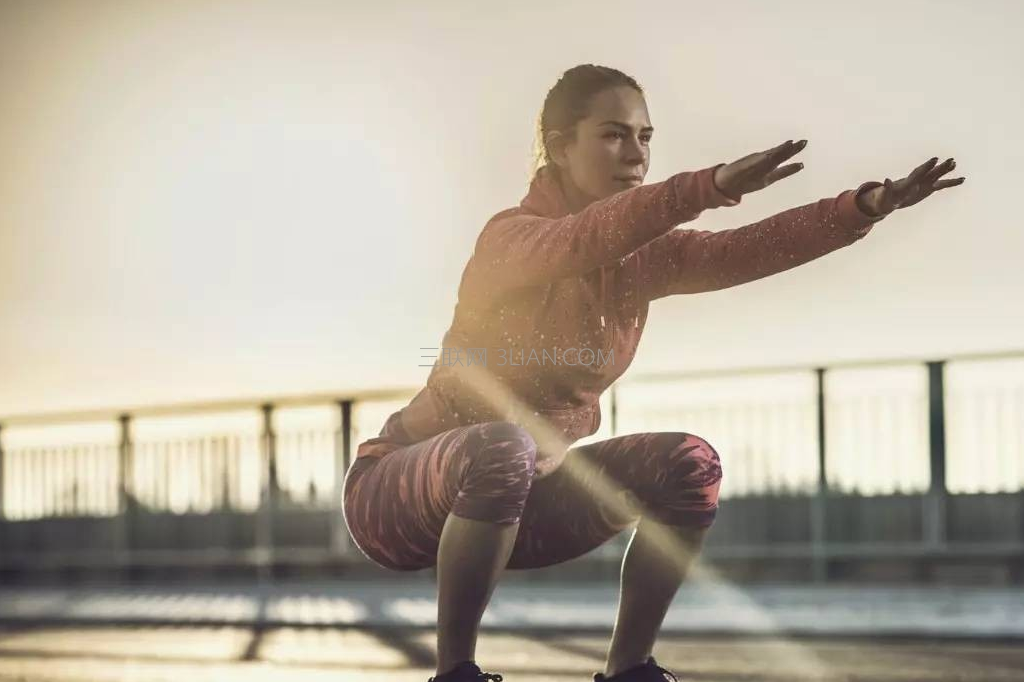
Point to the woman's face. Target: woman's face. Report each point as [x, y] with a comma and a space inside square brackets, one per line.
[611, 151]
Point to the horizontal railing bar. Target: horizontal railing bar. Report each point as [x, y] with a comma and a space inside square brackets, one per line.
[172, 557]
[650, 377]
[309, 399]
[844, 550]
[207, 407]
[318, 555]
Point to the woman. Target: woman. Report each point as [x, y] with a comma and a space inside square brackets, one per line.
[462, 479]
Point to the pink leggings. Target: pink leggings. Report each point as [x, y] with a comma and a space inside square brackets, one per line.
[395, 506]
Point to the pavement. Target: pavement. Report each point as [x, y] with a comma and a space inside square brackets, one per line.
[700, 607]
[202, 653]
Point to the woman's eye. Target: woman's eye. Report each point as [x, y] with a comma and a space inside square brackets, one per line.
[646, 139]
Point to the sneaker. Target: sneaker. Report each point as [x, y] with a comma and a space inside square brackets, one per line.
[648, 671]
[467, 671]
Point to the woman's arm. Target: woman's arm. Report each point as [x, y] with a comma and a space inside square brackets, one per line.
[691, 261]
[694, 261]
[517, 249]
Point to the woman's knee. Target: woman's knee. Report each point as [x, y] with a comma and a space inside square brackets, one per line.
[695, 461]
[691, 472]
[500, 465]
[502, 445]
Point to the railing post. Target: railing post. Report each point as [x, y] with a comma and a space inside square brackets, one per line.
[342, 460]
[819, 506]
[934, 521]
[2, 515]
[268, 496]
[125, 461]
[1, 477]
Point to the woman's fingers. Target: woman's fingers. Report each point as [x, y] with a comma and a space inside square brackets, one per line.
[921, 183]
[782, 172]
[763, 162]
[758, 170]
[927, 175]
[922, 170]
[943, 184]
[769, 153]
[783, 152]
[939, 171]
[764, 167]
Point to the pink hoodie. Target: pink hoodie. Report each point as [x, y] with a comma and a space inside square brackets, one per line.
[542, 281]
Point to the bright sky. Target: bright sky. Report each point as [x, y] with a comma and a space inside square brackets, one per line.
[217, 200]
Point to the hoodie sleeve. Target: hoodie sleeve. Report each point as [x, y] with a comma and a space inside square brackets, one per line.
[516, 249]
[694, 261]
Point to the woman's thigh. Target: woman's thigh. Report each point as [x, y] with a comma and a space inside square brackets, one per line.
[395, 506]
[603, 488]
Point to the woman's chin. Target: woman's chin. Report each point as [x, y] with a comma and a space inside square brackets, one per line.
[622, 185]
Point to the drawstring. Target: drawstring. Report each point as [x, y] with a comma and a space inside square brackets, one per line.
[636, 278]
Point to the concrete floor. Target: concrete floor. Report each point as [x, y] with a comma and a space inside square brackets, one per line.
[99, 653]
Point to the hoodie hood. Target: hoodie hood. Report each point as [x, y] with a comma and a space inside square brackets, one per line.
[545, 197]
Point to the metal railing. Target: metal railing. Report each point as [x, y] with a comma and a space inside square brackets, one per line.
[813, 435]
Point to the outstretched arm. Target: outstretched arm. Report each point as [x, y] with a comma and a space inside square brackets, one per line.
[518, 249]
[691, 261]
[694, 261]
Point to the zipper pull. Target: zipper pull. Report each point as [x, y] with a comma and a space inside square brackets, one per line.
[602, 322]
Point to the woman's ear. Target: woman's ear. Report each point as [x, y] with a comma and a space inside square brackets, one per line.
[554, 142]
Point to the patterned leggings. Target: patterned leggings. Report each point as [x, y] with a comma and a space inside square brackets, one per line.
[395, 506]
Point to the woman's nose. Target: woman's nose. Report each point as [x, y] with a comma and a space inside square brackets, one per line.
[634, 152]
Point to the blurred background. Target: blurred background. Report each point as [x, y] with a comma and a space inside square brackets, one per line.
[227, 230]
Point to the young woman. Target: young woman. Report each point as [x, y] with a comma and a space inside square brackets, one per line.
[460, 477]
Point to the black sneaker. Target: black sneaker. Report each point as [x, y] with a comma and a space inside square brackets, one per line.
[467, 671]
[648, 671]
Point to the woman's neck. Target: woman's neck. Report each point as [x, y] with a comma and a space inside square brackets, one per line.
[575, 199]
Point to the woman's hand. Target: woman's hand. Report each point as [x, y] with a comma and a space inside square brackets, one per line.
[758, 170]
[886, 197]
